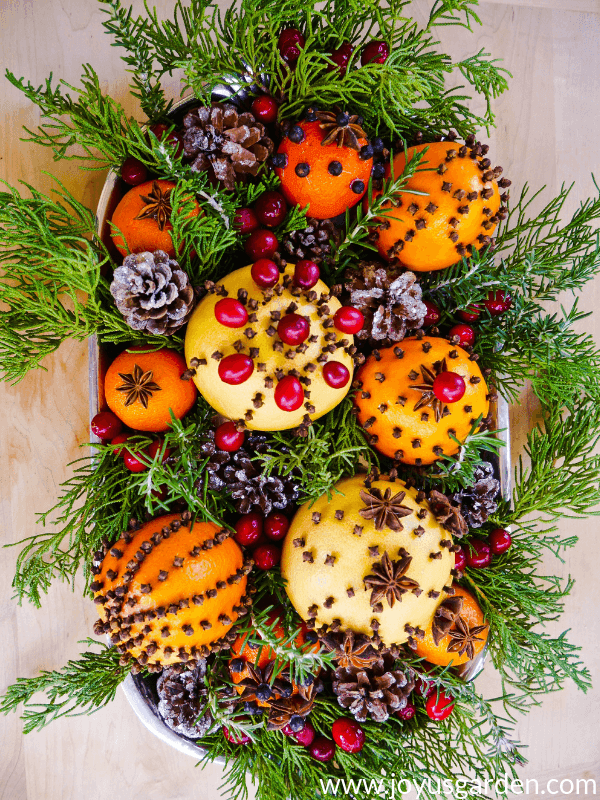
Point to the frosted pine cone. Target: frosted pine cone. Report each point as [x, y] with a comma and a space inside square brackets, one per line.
[312, 242]
[181, 698]
[477, 502]
[390, 303]
[152, 293]
[226, 144]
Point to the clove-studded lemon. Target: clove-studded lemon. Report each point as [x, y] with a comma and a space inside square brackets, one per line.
[370, 558]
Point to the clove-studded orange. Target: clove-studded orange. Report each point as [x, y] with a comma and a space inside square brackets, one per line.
[456, 210]
[325, 161]
[457, 633]
[143, 388]
[369, 557]
[169, 591]
[401, 408]
[266, 365]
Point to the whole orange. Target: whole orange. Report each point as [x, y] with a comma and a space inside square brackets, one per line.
[142, 388]
[328, 178]
[148, 233]
[455, 211]
[472, 620]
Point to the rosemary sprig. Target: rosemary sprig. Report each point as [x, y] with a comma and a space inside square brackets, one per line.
[82, 686]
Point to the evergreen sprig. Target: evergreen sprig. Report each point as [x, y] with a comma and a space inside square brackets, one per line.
[82, 686]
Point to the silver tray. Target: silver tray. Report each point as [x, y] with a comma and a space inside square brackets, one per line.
[141, 693]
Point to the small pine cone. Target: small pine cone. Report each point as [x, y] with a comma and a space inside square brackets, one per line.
[478, 502]
[390, 303]
[226, 144]
[312, 242]
[152, 293]
[240, 475]
[181, 697]
[377, 691]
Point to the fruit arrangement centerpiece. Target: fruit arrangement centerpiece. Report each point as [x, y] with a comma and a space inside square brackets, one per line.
[310, 288]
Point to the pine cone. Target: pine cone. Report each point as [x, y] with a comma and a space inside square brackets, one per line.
[390, 303]
[313, 242]
[477, 502]
[379, 690]
[226, 144]
[447, 514]
[152, 293]
[181, 697]
[241, 477]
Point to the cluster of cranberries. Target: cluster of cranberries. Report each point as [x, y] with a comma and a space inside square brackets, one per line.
[259, 533]
[479, 553]
[496, 303]
[109, 428]
[291, 42]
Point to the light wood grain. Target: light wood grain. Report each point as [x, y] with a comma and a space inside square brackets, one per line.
[547, 133]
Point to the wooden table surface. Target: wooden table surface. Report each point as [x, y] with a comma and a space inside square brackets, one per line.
[548, 133]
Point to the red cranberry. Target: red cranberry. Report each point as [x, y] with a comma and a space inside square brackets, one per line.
[289, 394]
[469, 314]
[133, 463]
[176, 139]
[322, 749]
[106, 425]
[159, 130]
[235, 737]
[228, 438]
[235, 369]
[270, 209]
[306, 736]
[465, 333]
[155, 447]
[439, 706]
[348, 319]
[276, 526]
[265, 273]
[120, 438]
[293, 329]
[290, 43]
[336, 374]
[348, 735]
[460, 560]
[407, 712]
[424, 687]
[266, 556]
[245, 221]
[433, 316]
[231, 313]
[265, 109]
[376, 52]
[341, 58]
[306, 274]
[248, 529]
[261, 244]
[500, 541]
[478, 554]
[449, 387]
[497, 303]
[133, 171]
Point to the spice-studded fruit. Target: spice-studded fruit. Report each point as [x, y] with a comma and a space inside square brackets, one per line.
[457, 633]
[399, 407]
[168, 590]
[458, 212]
[370, 558]
[325, 163]
[143, 388]
[141, 219]
[269, 374]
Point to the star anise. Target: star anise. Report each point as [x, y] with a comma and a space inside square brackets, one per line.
[464, 638]
[138, 385]
[291, 711]
[341, 128]
[445, 616]
[389, 580]
[351, 649]
[259, 686]
[428, 398]
[446, 514]
[157, 206]
[384, 509]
